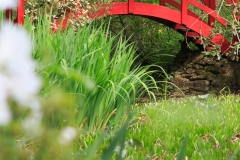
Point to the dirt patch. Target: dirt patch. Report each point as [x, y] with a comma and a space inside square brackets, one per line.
[195, 73]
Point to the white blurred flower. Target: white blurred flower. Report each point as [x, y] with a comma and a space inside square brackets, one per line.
[5, 113]
[16, 40]
[67, 135]
[17, 77]
[7, 4]
[33, 121]
[203, 96]
[118, 149]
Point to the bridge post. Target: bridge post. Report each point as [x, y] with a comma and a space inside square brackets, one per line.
[184, 10]
[9, 14]
[20, 12]
[212, 5]
[130, 6]
[162, 2]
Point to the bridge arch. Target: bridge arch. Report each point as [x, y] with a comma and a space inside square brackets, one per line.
[182, 20]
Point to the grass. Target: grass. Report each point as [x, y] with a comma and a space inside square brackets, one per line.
[211, 125]
[96, 68]
[192, 127]
[89, 83]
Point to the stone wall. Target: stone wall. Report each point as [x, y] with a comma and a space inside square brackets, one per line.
[195, 73]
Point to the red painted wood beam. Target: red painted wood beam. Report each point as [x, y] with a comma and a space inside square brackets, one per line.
[231, 1]
[20, 12]
[184, 10]
[61, 22]
[162, 2]
[131, 6]
[9, 14]
[179, 6]
[212, 5]
[209, 11]
[205, 2]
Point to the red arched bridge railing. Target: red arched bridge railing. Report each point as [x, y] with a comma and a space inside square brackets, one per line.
[172, 13]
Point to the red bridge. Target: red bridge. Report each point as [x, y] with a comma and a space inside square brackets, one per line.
[181, 18]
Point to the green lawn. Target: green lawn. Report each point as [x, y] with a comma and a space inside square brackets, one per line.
[211, 125]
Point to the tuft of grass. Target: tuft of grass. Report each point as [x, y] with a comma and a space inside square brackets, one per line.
[92, 67]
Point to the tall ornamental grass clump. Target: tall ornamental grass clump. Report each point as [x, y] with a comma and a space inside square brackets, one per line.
[89, 64]
[95, 82]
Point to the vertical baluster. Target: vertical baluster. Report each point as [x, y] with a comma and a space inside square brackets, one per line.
[162, 2]
[9, 14]
[184, 10]
[130, 6]
[212, 5]
[206, 2]
[20, 12]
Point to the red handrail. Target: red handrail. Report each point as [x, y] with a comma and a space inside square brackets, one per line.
[209, 11]
[232, 1]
